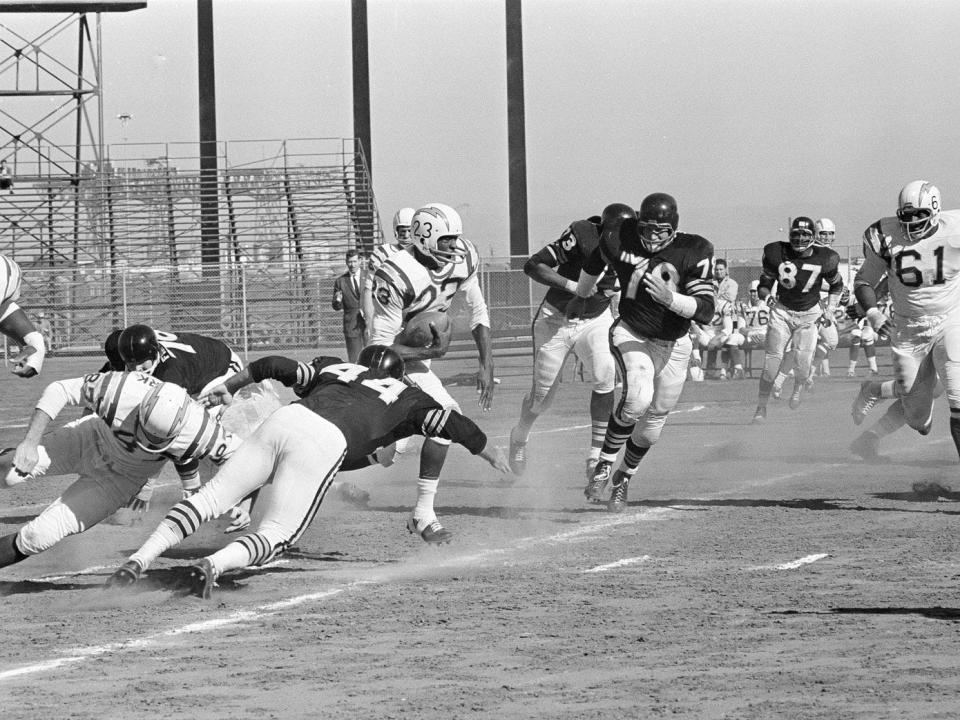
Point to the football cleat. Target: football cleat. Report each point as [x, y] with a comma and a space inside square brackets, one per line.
[760, 416]
[591, 466]
[618, 492]
[796, 396]
[851, 373]
[864, 402]
[867, 446]
[598, 481]
[738, 373]
[430, 531]
[518, 456]
[201, 579]
[125, 575]
[775, 391]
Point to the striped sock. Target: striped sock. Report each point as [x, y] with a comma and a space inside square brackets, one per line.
[615, 436]
[632, 457]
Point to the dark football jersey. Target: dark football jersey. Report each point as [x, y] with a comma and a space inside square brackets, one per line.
[686, 263]
[567, 255]
[191, 361]
[371, 411]
[799, 278]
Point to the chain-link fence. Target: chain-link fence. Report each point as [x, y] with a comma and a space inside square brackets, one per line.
[265, 306]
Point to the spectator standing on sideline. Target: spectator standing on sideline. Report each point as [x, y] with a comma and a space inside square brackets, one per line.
[346, 297]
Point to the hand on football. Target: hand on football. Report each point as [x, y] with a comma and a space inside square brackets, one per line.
[20, 366]
[658, 288]
[26, 457]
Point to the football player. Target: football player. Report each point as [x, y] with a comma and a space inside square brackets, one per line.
[15, 324]
[401, 234]
[751, 321]
[194, 362]
[558, 266]
[138, 423]
[798, 268]
[425, 277]
[918, 251]
[666, 281]
[345, 413]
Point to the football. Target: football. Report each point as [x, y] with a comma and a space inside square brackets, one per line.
[417, 333]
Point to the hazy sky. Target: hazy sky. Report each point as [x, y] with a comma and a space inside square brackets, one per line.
[746, 111]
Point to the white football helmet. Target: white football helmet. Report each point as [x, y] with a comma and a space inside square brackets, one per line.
[163, 413]
[754, 286]
[434, 228]
[402, 220]
[918, 209]
[826, 232]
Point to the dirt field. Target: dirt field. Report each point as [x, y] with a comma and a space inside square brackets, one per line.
[760, 572]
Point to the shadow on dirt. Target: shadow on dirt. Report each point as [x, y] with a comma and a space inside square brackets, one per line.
[934, 613]
[28, 587]
[16, 519]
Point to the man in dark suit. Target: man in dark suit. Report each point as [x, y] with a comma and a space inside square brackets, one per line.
[346, 297]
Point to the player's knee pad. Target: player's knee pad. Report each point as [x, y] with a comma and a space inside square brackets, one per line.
[951, 383]
[633, 404]
[868, 336]
[736, 340]
[48, 528]
[647, 432]
[604, 377]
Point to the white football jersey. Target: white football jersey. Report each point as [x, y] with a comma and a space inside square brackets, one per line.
[755, 315]
[115, 398]
[404, 287]
[10, 278]
[923, 275]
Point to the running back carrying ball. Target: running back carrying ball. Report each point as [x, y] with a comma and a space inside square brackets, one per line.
[417, 331]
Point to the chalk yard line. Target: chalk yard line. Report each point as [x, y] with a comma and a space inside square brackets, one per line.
[695, 408]
[76, 655]
[618, 564]
[794, 564]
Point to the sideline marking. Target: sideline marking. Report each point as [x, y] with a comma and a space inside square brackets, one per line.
[794, 564]
[618, 563]
[273, 608]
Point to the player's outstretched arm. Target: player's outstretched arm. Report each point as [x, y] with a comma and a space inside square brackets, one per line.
[485, 383]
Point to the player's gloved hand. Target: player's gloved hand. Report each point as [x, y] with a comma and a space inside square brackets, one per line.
[771, 300]
[658, 288]
[853, 313]
[240, 519]
[217, 395]
[20, 366]
[880, 322]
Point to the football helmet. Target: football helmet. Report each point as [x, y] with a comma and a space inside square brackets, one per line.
[918, 209]
[382, 358]
[802, 233]
[163, 413]
[138, 344]
[826, 232]
[754, 286]
[111, 348]
[657, 221]
[615, 214]
[402, 219]
[434, 227]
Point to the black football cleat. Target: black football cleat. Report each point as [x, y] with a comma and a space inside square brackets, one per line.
[431, 532]
[124, 576]
[618, 493]
[517, 456]
[201, 579]
[596, 484]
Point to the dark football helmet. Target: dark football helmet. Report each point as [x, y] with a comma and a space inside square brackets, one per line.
[382, 358]
[138, 344]
[111, 348]
[615, 214]
[802, 233]
[657, 221]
